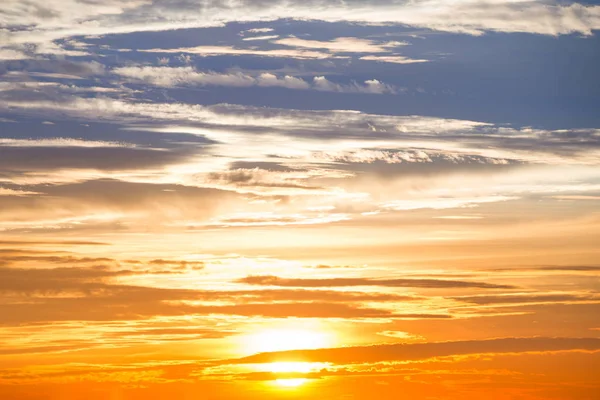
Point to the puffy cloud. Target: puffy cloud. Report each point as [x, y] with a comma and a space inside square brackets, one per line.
[372, 86]
[174, 76]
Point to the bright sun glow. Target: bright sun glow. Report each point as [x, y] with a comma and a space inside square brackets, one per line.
[290, 383]
[287, 339]
[288, 367]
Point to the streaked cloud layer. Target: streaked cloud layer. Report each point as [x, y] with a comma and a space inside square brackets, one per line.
[274, 199]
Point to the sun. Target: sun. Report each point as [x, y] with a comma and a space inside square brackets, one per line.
[289, 337]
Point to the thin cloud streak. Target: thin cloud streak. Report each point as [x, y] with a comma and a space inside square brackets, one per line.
[268, 280]
[420, 351]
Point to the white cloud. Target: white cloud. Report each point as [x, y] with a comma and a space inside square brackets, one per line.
[38, 21]
[342, 45]
[372, 86]
[259, 30]
[59, 142]
[304, 49]
[352, 130]
[235, 115]
[181, 76]
[11, 54]
[254, 38]
[208, 51]
[287, 81]
[169, 77]
[393, 59]
[52, 48]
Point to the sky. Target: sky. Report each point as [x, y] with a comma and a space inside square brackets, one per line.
[278, 200]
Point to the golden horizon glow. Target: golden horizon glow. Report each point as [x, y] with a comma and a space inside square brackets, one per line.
[297, 200]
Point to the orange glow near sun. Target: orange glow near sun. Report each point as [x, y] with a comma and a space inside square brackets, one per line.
[281, 339]
[290, 383]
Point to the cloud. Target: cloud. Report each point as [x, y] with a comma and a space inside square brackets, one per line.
[342, 45]
[335, 123]
[60, 142]
[527, 298]
[272, 219]
[189, 76]
[557, 268]
[269, 280]
[174, 76]
[35, 243]
[372, 86]
[401, 335]
[13, 192]
[576, 197]
[410, 160]
[77, 205]
[86, 294]
[318, 295]
[442, 203]
[19, 157]
[210, 51]
[106, 289]
[12, 54]
[421, 351]
[393, 59]
[44, 22]
[258, 30]
[173, 333]
[341, 48]
[267, 37]
[60, 66]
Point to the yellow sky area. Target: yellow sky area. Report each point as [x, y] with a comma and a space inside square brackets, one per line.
[174, 314]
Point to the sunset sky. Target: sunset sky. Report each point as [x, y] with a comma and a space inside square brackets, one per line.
[318, 199]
